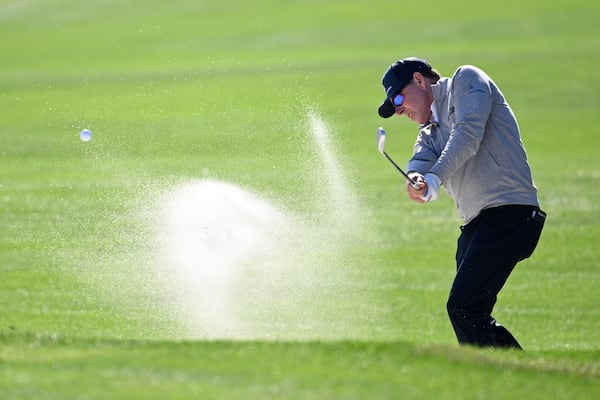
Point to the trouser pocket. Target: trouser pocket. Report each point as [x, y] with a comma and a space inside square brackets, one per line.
[534, 227]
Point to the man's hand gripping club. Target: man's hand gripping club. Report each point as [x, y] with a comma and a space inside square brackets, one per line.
[427, 187]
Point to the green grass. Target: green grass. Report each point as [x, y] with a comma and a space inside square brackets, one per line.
[186, 90]
[315, 370]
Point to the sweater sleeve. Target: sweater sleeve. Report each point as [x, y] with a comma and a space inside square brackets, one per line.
[424, 156]
[470, 107]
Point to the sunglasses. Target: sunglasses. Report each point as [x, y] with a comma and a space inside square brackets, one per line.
[397, 100]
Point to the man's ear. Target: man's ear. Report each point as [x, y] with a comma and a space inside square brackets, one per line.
[419, 79]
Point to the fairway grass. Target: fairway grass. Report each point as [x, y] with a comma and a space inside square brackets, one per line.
[330, 283]
[56, 368]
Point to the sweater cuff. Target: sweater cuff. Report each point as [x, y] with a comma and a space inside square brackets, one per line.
[433, 187]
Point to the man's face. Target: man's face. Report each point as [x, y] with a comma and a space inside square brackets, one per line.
[417, 100]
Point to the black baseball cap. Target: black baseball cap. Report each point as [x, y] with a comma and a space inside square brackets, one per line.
[398, 75]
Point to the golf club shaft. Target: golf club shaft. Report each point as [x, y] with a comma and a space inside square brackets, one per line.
[412, 182]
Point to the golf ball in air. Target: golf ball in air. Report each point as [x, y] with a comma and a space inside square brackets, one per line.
[85, 135]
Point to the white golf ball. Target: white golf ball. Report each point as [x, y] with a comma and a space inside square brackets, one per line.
[85, 135]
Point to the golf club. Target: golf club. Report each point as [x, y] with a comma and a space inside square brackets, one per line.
[380, 147]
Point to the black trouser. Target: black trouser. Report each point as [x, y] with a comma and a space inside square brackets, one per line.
[489, 247]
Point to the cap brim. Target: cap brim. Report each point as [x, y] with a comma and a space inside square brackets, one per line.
[386, 109]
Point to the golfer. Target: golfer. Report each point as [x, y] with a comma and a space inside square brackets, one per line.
[469, 143]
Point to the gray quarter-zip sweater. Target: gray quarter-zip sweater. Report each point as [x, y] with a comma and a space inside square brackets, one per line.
[475, 148]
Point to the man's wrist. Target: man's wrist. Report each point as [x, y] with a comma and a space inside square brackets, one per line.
[433, 187]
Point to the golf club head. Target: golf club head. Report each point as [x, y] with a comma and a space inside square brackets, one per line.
[381, 148]
[380, 140]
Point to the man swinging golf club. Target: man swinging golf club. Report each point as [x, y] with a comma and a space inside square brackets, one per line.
[469, 143]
